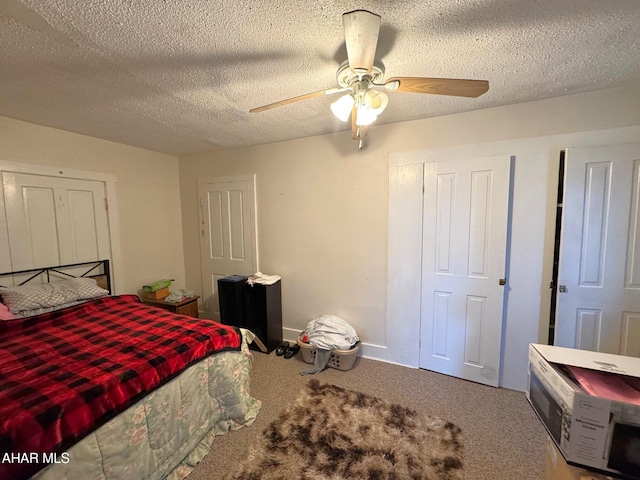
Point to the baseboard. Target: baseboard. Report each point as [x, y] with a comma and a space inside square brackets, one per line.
[290, 334]
[367, 350]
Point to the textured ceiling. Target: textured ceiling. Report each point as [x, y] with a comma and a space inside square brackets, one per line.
[180, 76]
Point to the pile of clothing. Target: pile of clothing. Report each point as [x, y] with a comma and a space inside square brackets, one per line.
[178, 296]
[327, 333]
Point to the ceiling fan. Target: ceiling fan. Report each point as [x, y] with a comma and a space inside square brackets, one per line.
[361, 79]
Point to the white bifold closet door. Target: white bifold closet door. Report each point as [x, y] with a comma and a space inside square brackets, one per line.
[54, 221]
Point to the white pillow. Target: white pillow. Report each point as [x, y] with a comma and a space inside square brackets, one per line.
[50, 295]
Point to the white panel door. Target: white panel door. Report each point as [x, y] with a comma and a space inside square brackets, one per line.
[465, 217]
[227, 235]
[599, 273]
[55, 221]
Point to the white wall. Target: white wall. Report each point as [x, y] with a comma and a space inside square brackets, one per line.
[323, 212]
[147, 191]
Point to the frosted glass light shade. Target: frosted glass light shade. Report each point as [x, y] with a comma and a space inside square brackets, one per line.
[341, 108]
[365, 116]
[376, 100]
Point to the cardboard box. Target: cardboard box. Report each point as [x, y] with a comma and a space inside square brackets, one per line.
[589, 430]
[158, 294]
[557, 469]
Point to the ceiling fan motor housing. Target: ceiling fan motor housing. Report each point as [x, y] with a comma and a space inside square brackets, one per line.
[345, 76]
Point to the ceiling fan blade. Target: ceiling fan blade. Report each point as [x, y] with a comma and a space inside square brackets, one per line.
[438, 86]
[306, 96]
[361, 29]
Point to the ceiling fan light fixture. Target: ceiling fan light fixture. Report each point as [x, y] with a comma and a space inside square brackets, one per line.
[341, 108]
[370, 106]
[377, 101]
[365, 116]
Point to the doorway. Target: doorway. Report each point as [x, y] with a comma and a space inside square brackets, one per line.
[228, 238]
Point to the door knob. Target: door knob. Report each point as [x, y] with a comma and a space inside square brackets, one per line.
[562, 288]
[502, 281]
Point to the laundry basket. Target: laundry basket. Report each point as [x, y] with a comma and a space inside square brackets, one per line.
[340, 359]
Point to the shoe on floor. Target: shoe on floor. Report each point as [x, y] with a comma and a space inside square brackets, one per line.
[292, 350]
[282, 348]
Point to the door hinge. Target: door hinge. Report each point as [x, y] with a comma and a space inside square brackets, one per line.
[106, 203]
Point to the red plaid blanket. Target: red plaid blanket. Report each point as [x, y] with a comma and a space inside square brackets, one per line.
[65, 373]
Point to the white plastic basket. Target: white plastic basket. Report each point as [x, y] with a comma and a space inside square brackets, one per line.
[340, 359]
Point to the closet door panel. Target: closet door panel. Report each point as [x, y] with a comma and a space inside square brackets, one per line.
[54, 221]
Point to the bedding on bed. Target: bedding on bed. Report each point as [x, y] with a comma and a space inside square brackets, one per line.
[65, 373]
[166, 433]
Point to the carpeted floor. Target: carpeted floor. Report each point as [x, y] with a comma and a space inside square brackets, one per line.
[503, 439]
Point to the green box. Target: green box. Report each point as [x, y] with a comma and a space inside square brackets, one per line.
[157, 285]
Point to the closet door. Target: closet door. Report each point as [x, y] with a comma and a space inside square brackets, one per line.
[54, 221]
[465, 219]
[599, 272]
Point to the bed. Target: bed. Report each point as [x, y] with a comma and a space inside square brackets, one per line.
[97, 386]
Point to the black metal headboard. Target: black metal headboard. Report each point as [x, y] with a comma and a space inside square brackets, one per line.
[98, 270]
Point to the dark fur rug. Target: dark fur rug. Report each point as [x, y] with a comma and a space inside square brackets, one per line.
[331, 433]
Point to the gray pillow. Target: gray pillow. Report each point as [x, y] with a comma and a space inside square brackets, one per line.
[50, 295]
